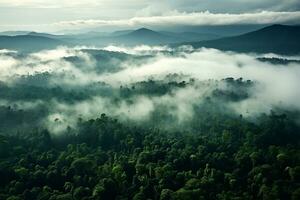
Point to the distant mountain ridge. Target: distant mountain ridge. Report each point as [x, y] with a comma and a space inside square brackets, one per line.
[193, 36]
[281, 39]
[125, 37]
[13, 33]
[29, 43]
[143, 36]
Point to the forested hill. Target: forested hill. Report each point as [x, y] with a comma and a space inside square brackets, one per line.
[279, 39]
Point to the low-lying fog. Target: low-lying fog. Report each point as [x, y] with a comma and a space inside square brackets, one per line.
[56, 88]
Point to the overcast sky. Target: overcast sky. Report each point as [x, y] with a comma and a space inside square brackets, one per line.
[55, 15]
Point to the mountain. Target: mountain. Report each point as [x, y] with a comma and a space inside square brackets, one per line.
[33, 41]
[223, 30]
[122, 32]
[144, 36]
[135, 37]
[13, 33]
[28, 43]
[48, 35]
[124, 37]
[192, 36]
[281, 39]
[150, 37]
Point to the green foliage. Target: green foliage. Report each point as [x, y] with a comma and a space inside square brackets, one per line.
[215, 155]
[165, 166]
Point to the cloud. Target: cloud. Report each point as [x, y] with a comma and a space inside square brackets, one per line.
[275, 85]
[234, 6]
[50, 61]
[6, 51]
[176, 18]
[48, 4]
[160, 6]
[139, 50]
[74, 4]
[41, 15]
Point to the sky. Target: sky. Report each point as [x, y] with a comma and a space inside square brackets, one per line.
[60, 15]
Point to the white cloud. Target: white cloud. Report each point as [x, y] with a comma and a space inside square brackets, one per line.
[194, 19]
[42, 15]
[139, 50]
[276, 85]
[63, 3]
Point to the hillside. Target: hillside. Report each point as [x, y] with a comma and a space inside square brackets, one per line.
[192, 36]
[279, 39]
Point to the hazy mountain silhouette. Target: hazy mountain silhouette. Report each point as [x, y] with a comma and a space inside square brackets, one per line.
[13, 33]
[145, 36]
[192, 36]
[29, 43]
[122, 32]
[280, 39]
[44, 35]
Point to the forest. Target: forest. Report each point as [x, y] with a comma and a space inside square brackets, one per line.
[90, 124]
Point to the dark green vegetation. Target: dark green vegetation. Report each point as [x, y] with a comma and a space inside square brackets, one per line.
[228, 158]
[278, 61]
[215, 155]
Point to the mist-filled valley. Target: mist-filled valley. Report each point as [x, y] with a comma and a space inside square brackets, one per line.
[148, 122]
[159, 86]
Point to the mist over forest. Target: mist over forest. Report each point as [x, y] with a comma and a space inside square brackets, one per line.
[55, 88]
[56, 99]
[139, 100]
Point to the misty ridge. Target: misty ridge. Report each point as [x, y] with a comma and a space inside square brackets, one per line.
[280, 39]
[211, 112]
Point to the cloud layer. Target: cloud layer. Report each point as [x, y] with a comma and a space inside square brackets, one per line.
[81, 88]
[193, 19]
[57, 15]
[162, 5]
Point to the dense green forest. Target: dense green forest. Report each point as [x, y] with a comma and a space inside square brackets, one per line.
[66, 135]
[216, 155]
[228, 158]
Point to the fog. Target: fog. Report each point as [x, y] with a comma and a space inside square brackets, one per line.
[88, 81]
